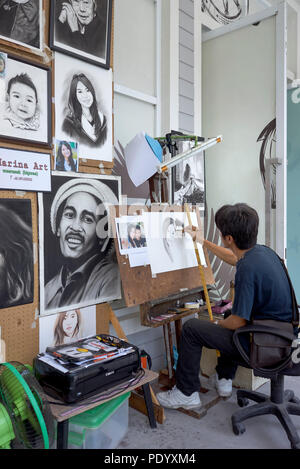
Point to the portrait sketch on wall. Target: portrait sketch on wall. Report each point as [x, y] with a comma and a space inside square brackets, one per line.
[25, 100]
[82, 29]
[66, 327]
[83, 106]
[78, 266]
[21, 22]
[189, 182]
[16, 253]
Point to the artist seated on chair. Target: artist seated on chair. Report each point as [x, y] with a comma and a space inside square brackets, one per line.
[262, 291]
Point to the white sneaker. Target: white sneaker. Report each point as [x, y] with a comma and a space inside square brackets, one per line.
[174, 399]
[223, 386]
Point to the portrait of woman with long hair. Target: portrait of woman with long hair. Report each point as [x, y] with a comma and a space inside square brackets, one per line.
[64, 157]
[84, 122]
[67, 327]
[16, 255]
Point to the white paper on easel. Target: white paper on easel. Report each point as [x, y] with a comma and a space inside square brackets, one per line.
[140, 160]
[168, 248]
[138, 259]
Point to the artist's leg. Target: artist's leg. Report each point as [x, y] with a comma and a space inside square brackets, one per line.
[195, 335]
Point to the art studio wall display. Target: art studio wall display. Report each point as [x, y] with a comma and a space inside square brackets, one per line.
[82, 29]
[16, 254]
[78, 266]
[21, 22]
[66, 327]
[83, 106]
[25, 170]
[25, 102]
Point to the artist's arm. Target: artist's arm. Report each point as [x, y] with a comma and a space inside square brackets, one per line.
[224, 254]
[232, 322]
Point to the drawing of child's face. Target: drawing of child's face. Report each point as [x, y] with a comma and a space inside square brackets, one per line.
[22, 101]
[69, 323]
[84, 95]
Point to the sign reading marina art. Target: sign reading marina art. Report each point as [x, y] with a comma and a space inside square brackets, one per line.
[25, 170]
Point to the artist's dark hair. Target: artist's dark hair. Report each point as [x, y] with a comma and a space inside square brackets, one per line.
[241, 222]
[60, 157]
[24, 79]
[16, 248]
[75, 109]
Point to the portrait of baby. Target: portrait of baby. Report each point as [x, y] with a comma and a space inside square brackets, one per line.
[25, 102]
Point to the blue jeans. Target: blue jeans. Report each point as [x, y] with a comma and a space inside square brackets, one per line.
[195, 335]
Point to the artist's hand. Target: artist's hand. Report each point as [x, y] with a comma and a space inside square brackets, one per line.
[195, 233]
[68, 15]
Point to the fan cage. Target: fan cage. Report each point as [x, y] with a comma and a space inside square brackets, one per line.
[27, 407]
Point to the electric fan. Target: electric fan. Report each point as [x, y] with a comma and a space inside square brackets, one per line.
[25, 416]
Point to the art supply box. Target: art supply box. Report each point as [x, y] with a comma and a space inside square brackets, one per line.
[102, 427]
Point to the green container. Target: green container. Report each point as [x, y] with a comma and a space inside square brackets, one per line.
[102, 427]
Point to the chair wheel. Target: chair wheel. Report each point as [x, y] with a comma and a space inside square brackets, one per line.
[238, 428]
[242, 401]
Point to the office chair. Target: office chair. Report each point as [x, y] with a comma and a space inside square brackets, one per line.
[281, 403]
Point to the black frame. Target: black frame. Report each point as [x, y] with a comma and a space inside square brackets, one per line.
[24, 44]
[49, 104]
[78, 55]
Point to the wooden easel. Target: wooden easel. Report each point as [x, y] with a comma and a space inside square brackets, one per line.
[169, 283]
[136, 400]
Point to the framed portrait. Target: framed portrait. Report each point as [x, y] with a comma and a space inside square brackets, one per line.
[16, 257]
[78, 265]
[21, 22]
[83, 107]
[82, 29]
[25, 102]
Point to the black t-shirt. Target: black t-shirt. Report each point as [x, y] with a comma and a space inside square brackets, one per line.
[262, 290]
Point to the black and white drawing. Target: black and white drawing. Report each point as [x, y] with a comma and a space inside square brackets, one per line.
[25, 99]
[225, 11]
[168, 247]
[82, 28]
[84, 107]
[189, 182]
[78, 266]
[21, 22]
[16, 253]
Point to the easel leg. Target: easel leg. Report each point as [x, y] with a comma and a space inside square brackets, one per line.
[148, 391]
[149, 405]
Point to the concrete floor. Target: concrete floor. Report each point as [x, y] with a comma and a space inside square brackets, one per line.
[213, 431]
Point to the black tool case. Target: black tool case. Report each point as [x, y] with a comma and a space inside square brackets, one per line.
[71, 382]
